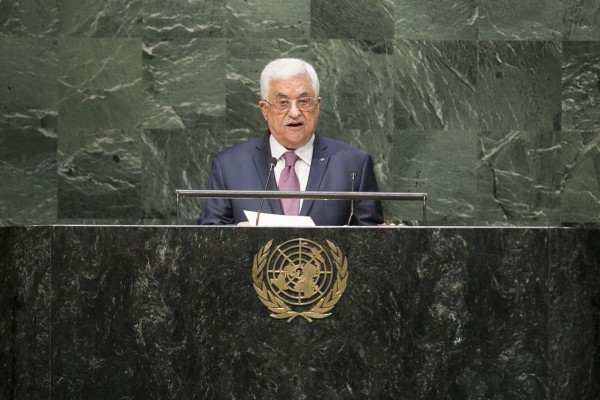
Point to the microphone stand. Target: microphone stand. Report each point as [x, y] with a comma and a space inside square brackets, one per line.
[353, 177]
[272, 163]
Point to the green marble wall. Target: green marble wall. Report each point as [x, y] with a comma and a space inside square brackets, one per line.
[491, 107]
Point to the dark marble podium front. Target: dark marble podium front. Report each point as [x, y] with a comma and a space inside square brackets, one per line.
[146, 312]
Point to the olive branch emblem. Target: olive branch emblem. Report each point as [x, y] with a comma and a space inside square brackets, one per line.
[279, 308]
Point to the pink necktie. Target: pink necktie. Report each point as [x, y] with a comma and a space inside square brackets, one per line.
[288, 182]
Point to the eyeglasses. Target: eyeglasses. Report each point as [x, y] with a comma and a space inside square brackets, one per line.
[303, 104]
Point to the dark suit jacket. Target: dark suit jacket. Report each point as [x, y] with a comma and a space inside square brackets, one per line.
[245, 167]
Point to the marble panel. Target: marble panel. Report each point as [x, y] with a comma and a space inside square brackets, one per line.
[154, 304]
[574, 318]
[25, 314]
[356, 93]
[581, 86]
[28, 73]
[435, 85]
[335, 19]
[519, 178]
[184, 18]
[28, 18]
[580, 177]
[177, 159]
[28, 176]
[184, 82]
[99, 174]
[108, 18]
[519, 85]
[141, 18]
[267, 19]
[441, 164]
[431, 19]
[520, 20]
[505, 340]
[581, 20]
[100, 85]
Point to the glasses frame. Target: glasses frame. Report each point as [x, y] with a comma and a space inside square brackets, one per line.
[313, 104]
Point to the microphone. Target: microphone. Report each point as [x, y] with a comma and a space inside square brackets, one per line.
[353, 177]
[272, 163]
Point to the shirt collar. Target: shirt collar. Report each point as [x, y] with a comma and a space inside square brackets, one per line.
[305, 152]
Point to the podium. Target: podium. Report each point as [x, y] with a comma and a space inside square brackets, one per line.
[170, 312]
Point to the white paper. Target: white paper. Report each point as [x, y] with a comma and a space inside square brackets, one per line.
[267, 219]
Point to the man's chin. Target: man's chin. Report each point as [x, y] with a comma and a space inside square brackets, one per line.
[292, 142]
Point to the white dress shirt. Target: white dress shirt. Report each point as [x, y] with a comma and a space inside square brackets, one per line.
[302, 165]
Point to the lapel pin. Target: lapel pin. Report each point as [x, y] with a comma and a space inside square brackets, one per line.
[322, 159]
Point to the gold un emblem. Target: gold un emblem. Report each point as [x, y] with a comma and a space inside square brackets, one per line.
[300, 278]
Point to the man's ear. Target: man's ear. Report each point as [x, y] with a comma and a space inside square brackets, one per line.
[263, 107]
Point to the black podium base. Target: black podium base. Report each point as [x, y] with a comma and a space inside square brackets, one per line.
[146, 312]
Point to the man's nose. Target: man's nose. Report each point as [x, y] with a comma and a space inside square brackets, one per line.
[294, 111]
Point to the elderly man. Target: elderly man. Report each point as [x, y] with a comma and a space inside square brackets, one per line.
[305, 160]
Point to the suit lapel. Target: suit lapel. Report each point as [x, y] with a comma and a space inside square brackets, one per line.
[320, 159]
[261, 162]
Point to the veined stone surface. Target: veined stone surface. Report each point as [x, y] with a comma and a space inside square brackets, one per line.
[451, 98]
[171, 312]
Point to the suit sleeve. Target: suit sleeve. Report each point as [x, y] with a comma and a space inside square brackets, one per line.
[367, 212]
[217, 211]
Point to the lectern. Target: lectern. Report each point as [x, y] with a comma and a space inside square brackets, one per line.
[171, 312]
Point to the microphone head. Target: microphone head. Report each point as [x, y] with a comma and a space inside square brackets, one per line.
[272, 162]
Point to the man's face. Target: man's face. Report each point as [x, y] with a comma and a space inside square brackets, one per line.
[292, 128]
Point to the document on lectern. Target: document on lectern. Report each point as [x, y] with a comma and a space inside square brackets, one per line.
[267, 219]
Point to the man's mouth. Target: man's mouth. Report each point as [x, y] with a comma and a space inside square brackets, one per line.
[294, 124]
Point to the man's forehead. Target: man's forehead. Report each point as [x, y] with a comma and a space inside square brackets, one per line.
[298, 85]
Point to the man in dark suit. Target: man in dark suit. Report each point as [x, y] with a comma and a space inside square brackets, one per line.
[290, 104]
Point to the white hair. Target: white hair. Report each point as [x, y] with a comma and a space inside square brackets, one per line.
[286, 68]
